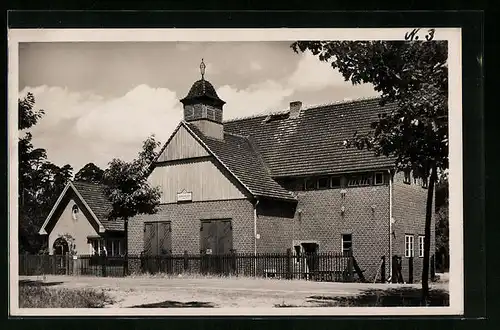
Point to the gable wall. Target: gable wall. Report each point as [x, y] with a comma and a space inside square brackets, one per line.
[79, 229]
[182, 145]
[204, 179]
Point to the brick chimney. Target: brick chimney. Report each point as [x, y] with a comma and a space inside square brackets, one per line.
[295, 108]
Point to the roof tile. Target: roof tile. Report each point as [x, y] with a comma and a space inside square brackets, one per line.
[312, 143]
[94, 196]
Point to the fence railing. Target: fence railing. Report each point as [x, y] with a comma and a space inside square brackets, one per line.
[317, 267]
[43, 264]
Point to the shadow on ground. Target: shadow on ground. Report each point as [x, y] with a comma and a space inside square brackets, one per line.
[37, 283]
[396, 297]
[175, 304]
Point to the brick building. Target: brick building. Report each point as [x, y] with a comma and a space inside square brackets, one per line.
[281, 181]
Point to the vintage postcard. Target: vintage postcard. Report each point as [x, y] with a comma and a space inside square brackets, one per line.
[235, 172]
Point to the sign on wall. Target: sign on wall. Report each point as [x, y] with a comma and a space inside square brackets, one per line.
[184, 196]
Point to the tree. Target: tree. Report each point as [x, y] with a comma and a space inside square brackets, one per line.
[442, 224]
[414, 76]
[127, 188]
[40, 182]
[90, 173]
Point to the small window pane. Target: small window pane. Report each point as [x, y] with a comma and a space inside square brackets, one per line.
[379, 178]
[346, 243]
[354, 181]
[323, 183]
[310, 184]
[335, 182]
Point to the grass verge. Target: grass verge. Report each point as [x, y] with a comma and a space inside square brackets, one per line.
[33, 294]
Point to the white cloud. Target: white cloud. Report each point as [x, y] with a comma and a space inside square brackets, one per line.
[85, 127]
[267, 95]
[311, 74]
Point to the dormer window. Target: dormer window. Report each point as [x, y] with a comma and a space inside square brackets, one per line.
[74, 212]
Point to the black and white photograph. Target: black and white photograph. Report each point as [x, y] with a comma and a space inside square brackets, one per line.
[235, 172]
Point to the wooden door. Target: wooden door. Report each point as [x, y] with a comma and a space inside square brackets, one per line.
[224, 237]
[164, 238]
[216, 240]
[150, 239]
[216, 237]
[157, 238]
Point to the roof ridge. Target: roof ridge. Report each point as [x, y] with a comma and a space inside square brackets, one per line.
[88, 183]
[309, 107]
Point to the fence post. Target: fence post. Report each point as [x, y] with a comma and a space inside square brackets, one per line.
[54, 264]
[186, 261]
[382, 270]
[350, 272]
[66, 263]
[288, 263]
[410, 270]
[103, 265]
[234, 269]
[394, 275]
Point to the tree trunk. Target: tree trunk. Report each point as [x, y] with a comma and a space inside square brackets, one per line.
[427, 237]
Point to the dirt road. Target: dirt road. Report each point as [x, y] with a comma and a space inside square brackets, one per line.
[211, 292]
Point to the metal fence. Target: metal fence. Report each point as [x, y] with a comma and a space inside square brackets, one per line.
[317, 267]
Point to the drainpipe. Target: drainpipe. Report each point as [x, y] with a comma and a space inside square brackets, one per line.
[390, 224]
[255, 235]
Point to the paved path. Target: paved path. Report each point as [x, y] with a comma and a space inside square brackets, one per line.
[228, 292]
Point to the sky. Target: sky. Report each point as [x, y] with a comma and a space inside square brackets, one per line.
[102, 100]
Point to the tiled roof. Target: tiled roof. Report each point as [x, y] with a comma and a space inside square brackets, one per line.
[313, 143]
[94, 196]
[241, 159]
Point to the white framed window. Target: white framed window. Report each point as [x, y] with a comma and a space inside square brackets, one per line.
[96, 246]
[421, 246]
[114, 247]
[360, 180]
[409, 244]
[378, 178]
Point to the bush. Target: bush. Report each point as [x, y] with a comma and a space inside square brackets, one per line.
[37, 296]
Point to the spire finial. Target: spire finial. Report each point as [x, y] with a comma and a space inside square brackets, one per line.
[202, 69]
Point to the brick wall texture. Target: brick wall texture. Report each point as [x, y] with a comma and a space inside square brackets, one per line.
[185, 221]
[409, 216]
[321, 220]
[317, 217]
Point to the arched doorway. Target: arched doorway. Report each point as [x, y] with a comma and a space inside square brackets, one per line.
[60, 246]
[61, 249]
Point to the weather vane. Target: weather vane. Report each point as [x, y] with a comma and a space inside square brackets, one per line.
[202, 69]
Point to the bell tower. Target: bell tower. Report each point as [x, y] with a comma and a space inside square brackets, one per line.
[203, 107]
